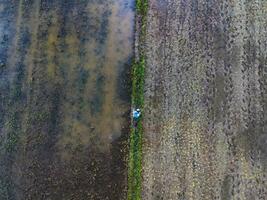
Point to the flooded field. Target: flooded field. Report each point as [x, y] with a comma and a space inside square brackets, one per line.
[64, 98]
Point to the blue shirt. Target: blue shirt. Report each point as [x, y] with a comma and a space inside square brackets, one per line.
[136, 114]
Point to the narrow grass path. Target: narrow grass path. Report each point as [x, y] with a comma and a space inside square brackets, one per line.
[138, 73]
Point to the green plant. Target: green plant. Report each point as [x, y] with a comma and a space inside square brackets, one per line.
[138, 83]
[142, 7]
[135, 163]
[138, 74]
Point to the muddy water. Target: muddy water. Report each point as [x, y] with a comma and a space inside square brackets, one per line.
[65, 98]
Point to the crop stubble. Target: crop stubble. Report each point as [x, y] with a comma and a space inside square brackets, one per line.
[205, 114]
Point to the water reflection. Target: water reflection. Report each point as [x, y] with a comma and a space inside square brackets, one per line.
[69, 97]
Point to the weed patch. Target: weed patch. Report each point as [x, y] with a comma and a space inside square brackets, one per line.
[138, 74]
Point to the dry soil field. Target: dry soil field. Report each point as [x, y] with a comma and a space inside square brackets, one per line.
[205, 100]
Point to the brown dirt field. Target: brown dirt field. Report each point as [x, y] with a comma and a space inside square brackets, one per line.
[205, 113]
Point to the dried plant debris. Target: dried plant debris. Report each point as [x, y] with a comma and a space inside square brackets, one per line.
[205, 104]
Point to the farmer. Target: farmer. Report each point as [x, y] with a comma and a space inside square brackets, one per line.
[136, 114]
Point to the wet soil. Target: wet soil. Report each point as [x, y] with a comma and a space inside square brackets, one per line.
[64, 98]
[205, 113]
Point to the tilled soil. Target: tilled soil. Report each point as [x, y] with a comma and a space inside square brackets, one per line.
[205, 113]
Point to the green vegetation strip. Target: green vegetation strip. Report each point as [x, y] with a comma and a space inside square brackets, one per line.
[138, 73]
